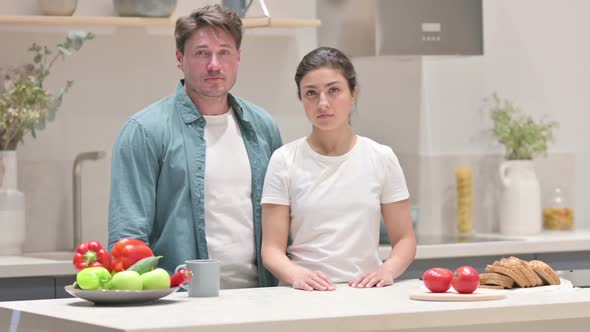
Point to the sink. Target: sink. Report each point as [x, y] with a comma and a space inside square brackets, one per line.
[51, 255]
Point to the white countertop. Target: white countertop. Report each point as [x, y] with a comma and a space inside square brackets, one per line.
[37, 265]
[545, 242]
[286, 309]
[60, 264]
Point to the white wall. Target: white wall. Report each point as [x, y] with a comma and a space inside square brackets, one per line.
[117, 74]
[388, 109]
[537, 54]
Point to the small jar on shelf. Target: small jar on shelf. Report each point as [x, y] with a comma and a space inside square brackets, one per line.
[558, 213]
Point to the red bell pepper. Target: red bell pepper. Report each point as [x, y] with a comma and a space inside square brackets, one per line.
[127, 252]
[91, 254]
[180, 277]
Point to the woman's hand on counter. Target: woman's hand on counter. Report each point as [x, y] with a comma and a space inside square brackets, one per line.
[312, 280]
[381, 277]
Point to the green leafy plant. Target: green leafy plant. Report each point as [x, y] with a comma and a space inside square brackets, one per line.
[522, 137]
[25, 105]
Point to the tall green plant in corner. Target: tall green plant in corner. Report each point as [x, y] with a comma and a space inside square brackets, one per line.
[25, 104]
[523, 137]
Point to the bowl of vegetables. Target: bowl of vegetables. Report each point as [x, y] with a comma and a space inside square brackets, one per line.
[127, 275]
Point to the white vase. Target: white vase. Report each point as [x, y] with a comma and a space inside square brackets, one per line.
[520, 204]
[12, 206]
[8, 170]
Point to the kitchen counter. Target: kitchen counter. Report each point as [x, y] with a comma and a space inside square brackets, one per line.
[59, 263]
[27, 266]
[545, 242]
[286, 309]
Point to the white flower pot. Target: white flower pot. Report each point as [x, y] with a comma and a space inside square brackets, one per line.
[12, 222]
[520, 204]
[12, 207]
[8, 170]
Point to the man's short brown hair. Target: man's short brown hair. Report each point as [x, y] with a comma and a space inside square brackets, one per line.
[213, 16]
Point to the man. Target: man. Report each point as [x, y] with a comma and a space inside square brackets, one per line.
[187, 171]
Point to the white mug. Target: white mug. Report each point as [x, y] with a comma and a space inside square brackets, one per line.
[205, 281]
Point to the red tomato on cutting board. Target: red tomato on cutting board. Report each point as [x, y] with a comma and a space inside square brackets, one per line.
[437, 279]
[465, 280]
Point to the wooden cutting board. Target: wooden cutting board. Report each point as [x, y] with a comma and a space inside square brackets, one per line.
[480, 294]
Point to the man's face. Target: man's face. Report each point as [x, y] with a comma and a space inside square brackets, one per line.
[209, 63]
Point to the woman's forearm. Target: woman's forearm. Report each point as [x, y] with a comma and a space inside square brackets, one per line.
[401, 256]
[279, 265]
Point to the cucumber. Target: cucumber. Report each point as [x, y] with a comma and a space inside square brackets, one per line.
[145, 264]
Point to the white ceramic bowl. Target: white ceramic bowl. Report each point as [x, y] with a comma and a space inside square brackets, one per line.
[58, 7]
[145, 8]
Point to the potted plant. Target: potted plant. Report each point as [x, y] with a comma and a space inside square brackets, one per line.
[25, 107]
[25, 104]
[523, 138]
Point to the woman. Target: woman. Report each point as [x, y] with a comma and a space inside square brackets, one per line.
[327, 192]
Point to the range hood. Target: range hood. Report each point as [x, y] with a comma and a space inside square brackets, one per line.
[402, 27]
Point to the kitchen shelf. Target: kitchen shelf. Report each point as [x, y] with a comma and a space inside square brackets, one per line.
[117, 21]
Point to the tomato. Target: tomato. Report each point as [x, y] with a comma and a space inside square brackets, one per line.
[465, 280]
[437, 279]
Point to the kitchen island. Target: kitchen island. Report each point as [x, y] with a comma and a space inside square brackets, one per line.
[286, 309]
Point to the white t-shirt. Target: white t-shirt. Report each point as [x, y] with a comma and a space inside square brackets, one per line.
[228, 202]
[335, 203]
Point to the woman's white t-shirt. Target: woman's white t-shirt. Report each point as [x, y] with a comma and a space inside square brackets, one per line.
[335, 203]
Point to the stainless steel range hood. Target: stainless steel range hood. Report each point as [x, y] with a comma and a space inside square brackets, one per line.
[402, 27]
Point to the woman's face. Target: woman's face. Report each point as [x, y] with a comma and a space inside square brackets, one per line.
[326, 98]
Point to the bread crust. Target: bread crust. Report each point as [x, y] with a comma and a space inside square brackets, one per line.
[515, 272]
[505, 269]
[528, 272]
[545, 272]
[496, 279]
[491, 286]
[516, 267]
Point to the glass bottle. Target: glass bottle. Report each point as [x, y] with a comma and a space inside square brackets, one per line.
[558, 213]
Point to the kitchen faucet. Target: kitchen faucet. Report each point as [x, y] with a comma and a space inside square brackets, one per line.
[77, 191]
